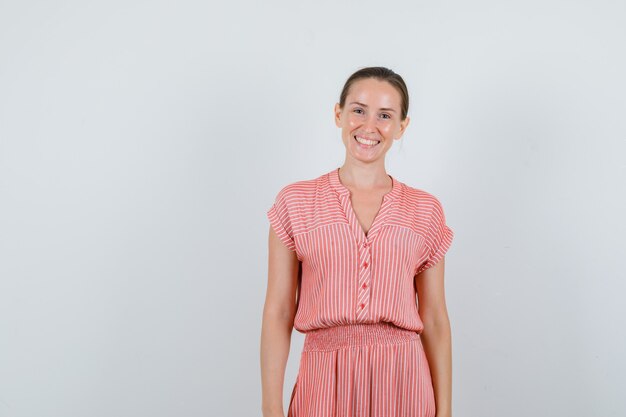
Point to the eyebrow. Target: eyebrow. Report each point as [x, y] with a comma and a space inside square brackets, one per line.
[365, 105]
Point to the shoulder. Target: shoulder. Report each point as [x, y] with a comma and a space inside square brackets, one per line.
[425, 213]
[420, 199]
[300, 191]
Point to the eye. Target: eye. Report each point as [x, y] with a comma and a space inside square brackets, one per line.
[386, 114]
[357, 110]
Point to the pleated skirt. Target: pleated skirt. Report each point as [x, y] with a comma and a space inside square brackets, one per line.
[363, 370]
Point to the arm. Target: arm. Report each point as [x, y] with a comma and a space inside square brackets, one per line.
[278, 316]
[436, 336]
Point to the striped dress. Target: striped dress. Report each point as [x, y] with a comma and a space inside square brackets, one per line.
[356, 301]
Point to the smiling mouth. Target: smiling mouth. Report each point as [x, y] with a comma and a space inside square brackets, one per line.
[366, 142]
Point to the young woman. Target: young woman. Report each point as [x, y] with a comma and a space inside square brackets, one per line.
[348, 253]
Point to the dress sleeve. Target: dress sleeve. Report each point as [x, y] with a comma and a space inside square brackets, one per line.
[280, 220]
[438, 237]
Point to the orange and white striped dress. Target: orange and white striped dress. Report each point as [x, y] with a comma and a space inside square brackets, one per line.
[356, 304]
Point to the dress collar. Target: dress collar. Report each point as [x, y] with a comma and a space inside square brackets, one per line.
[341, 189]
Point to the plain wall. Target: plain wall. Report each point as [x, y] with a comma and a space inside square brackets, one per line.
[141, 144]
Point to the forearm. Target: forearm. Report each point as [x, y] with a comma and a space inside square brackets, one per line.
[275, 344]
[437, 342]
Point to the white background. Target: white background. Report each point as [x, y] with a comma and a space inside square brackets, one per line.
[142, 142]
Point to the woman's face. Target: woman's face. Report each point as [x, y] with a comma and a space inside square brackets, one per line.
[371, 112]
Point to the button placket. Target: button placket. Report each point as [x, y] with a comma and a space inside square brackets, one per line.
[365, 274]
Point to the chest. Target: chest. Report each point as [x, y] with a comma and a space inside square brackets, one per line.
[366, 206]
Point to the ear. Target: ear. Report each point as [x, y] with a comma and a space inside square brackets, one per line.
[337, 112]
[403, 125]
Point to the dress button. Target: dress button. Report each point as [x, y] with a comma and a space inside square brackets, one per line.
[362, 305]
[364, 285]
[365, 264]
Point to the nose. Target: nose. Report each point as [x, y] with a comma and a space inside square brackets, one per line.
[370, 123]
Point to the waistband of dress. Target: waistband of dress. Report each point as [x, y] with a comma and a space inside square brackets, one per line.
[356, 334]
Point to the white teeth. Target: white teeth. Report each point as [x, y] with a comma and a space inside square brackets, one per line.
[366, 141]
